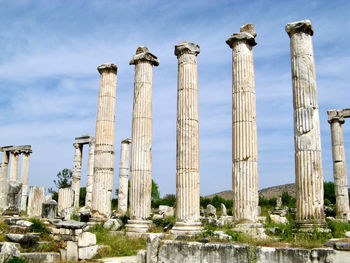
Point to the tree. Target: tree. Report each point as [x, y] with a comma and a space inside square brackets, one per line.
[155, 192]
[329, 193]
[64, 179]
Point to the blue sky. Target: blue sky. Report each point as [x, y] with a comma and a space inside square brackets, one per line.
[49, 82]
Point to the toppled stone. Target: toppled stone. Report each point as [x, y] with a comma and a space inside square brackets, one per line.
[24, 239]
[166, 210]
[113, 224]
[141, 256]
[153, 242]
[211, 210]
[72, 251]
[342, 246]
[49, 209]
[9, 250]
[71, 224]
[86, 239]
[88, 252]
[221, 235]
[279, 219]
[223, 210]
[24, 223]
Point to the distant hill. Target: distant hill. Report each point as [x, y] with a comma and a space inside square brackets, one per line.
[268, 193]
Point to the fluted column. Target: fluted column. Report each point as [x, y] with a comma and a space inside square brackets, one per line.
[24, 179]
[14, 166]
[307, 139]
[104, 142]
[3, 180]
[141, 154]
[244, 131]
[123, 176]
[76, 173]
[187, 141]
[339, 163]
[90, 174]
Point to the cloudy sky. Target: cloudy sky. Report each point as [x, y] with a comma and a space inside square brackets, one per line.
[49, 82]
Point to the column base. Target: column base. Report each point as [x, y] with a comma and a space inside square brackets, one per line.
[138, 226]
[182, 228]
[309, 227]
[255, 230]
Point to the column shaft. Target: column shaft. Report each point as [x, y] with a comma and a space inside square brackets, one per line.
[123, 176]
[14, 166]
[244, 131]
[24, 179]
[76, 173]
[187, 141]
[308, 161]
[104, 142]
[90, 174]
[339, 169]
[3, 180]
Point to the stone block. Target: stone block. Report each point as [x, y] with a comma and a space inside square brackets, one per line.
[14, 198]
[63, 254]
[88, 252]
[113, 224]
[24, 223]
[141, 256]
[72, 251]
[9, 250]
[86, 239]
[49, 209]
[35, 200]
[342, 246]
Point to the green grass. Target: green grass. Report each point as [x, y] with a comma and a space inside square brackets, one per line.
[338, 228]
[120, 245]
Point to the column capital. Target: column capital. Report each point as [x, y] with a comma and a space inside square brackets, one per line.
[77, 145]
[335, 116]
[127, 140]
[303, 26]
[242, 36]
[186, 48]
[142, 54]
[107, 67]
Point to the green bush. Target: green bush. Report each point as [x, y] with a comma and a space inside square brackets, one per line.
[338, 228]
[288, 200]
[16, 260]
[37, 226]
[163, 222]
[264, 202]
[215, 201]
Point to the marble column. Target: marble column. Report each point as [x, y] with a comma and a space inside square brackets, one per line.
[141, 154]
[307, 139]
[36, 200]
[14, 166]
[90, 174]
[104, 142]
[244, 131]
[76, 173]
[339, 163]
[123, 176]
[3, 180]
[65, 201]
[187, 141]
[24, 179]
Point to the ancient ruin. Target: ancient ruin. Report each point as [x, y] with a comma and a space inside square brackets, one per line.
[35, 201]
[11, 153]
[336, 120]
[244, 132]
[141, 154]
[104, 142]
[76, 171]
[187, 141]
[308, 159]
[123, 176]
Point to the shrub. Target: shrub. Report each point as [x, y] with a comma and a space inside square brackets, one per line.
[16, 260]
[37, 226]
[288, 200]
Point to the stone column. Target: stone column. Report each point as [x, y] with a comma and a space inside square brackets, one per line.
[123, 176]
[187, 141]
[14, 166]
[24, 179]
[36, 200]
[90, 174]
[308, 161]
[244, 131]
[104, 142]
[339, 163]
[141, 154]
[65, 201]
[3, 180]
[76, 173]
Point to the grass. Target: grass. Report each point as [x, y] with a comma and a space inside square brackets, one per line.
[338, 228]
[120, 246]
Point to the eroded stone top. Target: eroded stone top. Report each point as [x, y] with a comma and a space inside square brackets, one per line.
[242, 36]
[107, 66]
[249, 28]
[338, 115]
[142, 54]
[17, 149]
[186, 47]
[127, 140]
[300, 26]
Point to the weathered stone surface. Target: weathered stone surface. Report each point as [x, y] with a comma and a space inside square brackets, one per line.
[42, 257]
[141, 154]
[166, 210]
[14, 197]
[308, 159]
[123, 176]
[3, 180]
[76, 172]
[49, 209]
[71, 224]
[72, 251]
[211, 210]
[113, 224]
[141, 256]
[90, 173]
[24, 223]
[35, 201]
[24, 239]
[223, 210]
[187, 141]
[342, 246]
[9, 250]
[104, 142]
[86, 239]
[24, 178]
[279, 219]
[88, 252]
[244, 130]
[65, 201]
[153, 242]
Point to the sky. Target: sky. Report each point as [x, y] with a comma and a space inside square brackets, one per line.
[49, 82]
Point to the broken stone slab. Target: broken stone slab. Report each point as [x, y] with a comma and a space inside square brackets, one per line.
[166, 210]
[211, 210]
[153, 242]
[14, 198]
[72, 251]
[141, 256]
[279, 219]
[24, 239]
[49, 209]
[342, 246]
[9, 250]
[42, 257]
[113, 224]
[223, 210]
[88, 252]
[24, 223]
[86, 239]
[71, 224]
